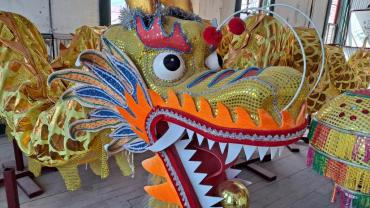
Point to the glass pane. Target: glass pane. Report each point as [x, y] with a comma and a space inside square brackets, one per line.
[116, 6]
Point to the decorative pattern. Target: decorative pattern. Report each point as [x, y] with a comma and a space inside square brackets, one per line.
[340, 146]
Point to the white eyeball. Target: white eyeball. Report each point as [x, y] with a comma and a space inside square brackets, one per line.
[168, 66]
[214, 61]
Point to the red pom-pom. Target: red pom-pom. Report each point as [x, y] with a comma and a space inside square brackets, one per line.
[236, 26]
[212, 36]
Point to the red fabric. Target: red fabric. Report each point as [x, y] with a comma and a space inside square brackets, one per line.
[236, 26]
[212, 36]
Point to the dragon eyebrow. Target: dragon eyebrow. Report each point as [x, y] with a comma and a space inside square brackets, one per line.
[155, 36]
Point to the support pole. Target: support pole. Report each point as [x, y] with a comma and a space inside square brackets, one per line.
[10, 183]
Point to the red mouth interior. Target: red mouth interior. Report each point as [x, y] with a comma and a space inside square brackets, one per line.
[212, 160]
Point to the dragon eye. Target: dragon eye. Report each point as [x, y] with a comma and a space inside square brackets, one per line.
[168, 66]
[214, 61]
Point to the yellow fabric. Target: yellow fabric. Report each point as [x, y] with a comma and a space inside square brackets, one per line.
[36, 118]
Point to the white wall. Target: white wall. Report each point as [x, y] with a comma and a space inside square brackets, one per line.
[294, 18]
[210, 9]
[67, 15]
[71, 14]
[35, 10]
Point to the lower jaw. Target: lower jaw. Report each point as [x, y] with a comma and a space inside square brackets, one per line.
[178, 173]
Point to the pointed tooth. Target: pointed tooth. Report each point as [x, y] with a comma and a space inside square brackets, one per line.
[203, 189]
[172, 135]
[222, 147]
[198, 177]
[232, 173]
[233, 152]
[184, 153]
[193, 165]
[249, 150]
[209, 201]
[273, 151]
[190, 133]
[210, 143]
[200, 139]
[281, 150]
[262, 152]
[183, 143]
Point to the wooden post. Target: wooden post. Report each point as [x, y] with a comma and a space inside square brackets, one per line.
[18, 156]
[10, 183]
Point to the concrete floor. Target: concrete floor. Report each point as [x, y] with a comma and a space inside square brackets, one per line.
[296, 186]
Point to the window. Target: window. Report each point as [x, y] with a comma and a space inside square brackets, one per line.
[249, 4]
[116, 6]
[332, 22]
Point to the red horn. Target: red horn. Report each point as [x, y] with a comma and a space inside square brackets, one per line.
[156, 36]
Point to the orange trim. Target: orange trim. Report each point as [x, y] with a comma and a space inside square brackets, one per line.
[223, 118]
[166, 191]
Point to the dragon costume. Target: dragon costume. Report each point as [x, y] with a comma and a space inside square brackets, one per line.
[260, 46]
[152, 83]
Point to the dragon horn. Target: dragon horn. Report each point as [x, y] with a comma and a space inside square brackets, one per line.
[185, 5]
[149, 6]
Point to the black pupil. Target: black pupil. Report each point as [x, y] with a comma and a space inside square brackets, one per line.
[172, 62]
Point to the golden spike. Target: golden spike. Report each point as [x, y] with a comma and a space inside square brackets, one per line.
[185, 5]
[147, 6]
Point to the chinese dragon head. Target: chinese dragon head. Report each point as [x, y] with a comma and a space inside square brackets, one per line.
[160, 87]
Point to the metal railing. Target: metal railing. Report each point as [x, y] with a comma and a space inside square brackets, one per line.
[53, 42]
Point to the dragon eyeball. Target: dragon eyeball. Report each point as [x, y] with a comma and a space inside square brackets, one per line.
[169, 66]
[214, 61]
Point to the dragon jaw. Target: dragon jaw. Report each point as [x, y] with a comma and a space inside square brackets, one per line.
[207, 145]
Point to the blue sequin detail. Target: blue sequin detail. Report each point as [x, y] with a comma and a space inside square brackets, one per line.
[222, 75]
[245, 71]
[201, 78]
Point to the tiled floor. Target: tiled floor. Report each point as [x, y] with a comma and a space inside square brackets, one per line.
[296, 186]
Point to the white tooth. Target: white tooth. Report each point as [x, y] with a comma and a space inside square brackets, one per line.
[195, 178]
[281, 150]
[233, 152]
[193, 165]
[249, 150]
[222, 147]
[203, 189]
[273, 151]
[210, 143]
[198, 177]
[262, 152]
[209, 201]
[173, 134]
[190, 133]
[200, 139]
[183, 143]
[232, 173]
